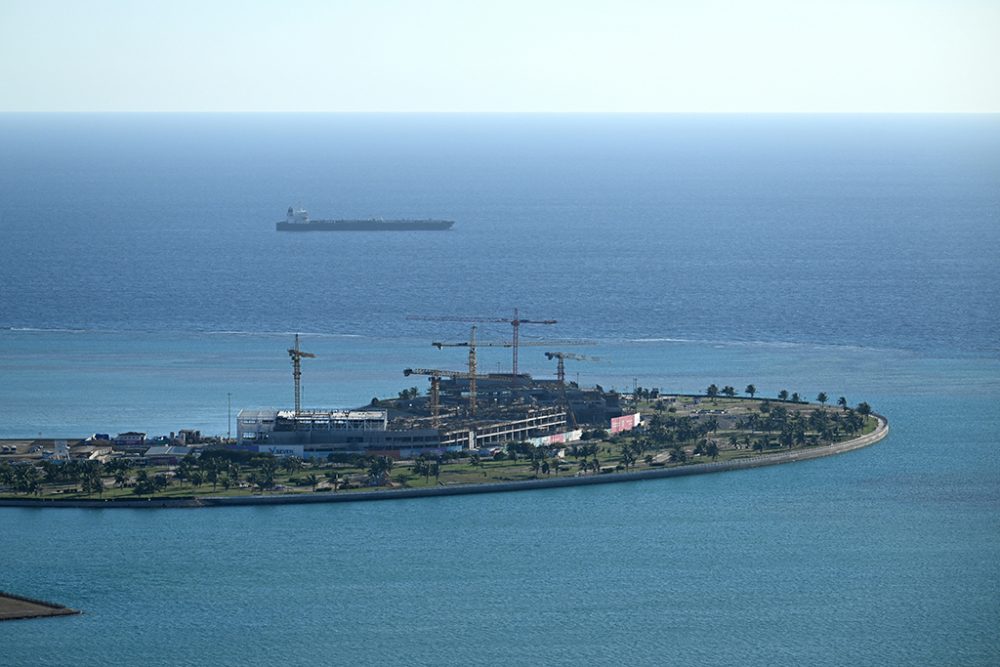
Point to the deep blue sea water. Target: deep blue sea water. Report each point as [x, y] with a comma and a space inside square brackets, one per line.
[141, 281]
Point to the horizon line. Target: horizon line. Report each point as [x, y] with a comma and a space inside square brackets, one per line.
[499, 113]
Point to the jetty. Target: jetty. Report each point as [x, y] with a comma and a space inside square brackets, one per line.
[17, 607]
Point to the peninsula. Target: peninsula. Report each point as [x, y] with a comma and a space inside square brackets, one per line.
[670, 435]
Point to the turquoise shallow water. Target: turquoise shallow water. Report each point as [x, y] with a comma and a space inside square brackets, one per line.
[141, 282]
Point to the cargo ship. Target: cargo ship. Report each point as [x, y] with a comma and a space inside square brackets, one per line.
[297, 220]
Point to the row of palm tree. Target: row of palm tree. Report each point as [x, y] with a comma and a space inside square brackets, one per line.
[31, 479]
[751, 390]
[22, 479]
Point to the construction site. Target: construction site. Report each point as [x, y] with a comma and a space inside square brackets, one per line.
[462, 409]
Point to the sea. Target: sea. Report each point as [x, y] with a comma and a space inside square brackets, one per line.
[143, 287]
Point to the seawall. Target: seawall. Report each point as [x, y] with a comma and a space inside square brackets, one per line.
[881, 430]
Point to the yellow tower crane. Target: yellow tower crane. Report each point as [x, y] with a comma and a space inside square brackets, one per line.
[472, 366]
[297, 355]
[515, 322]
[435, 375]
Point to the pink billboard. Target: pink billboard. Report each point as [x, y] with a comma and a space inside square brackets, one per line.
[625, 423]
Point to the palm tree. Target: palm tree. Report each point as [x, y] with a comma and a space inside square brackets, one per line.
[28, 479]
[842, 402]
[212, 475]
[92, 481]
[712, 449]
[312, 480]
[7, 475]
[864, 409]
[379, 468]
[267, 469]
[628, 457]
[160, 482]
[822, 398]
[750, 390]
[422, 466]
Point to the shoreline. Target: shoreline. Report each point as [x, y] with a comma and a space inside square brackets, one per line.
[881, 430]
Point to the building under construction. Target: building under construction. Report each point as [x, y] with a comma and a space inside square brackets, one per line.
[462, 410]
[320, 433]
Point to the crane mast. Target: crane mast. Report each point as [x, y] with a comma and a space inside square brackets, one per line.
[297, 355]
[471, 344]
[560, 358]
[472, 371]
[435, 375]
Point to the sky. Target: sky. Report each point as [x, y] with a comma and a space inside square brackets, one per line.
[510, 56]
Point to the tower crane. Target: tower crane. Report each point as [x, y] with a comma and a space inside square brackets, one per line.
[435, 375]
[561, 367]
[297, 355]
[561, 378]
[471, 344]
[515, 322]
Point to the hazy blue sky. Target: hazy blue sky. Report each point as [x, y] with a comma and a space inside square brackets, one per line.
[537, 55]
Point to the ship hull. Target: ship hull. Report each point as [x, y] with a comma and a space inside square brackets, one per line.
[364, 225]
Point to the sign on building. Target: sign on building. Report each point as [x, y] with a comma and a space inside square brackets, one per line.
[281, 450]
